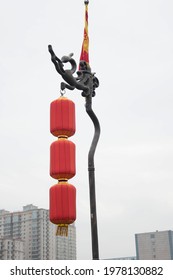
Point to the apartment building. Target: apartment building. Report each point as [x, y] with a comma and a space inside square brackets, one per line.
[11, 249]
[156, 245]
[32, 231]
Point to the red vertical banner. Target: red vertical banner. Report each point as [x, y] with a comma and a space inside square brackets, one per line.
[85, 45]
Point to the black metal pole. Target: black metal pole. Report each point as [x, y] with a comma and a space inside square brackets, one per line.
[91, 171]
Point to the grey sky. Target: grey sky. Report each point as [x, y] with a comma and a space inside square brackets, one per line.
[131, 50]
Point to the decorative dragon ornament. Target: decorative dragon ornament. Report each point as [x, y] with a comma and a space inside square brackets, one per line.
[85, 80]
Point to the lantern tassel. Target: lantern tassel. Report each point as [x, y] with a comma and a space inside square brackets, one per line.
[62, 230]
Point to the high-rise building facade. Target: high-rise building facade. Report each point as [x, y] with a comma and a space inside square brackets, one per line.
[11, 249]
[32, 228]
[154, 245]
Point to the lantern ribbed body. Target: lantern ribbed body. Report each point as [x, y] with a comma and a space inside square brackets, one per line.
[62, 203]
[62, 117]
[62, 159]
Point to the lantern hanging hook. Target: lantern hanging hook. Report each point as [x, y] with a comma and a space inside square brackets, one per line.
[62, 92]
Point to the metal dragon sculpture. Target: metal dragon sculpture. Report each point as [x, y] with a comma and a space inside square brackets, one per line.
[85, 80]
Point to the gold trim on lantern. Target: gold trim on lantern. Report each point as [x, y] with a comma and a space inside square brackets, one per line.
[62, 180]
[62, 137]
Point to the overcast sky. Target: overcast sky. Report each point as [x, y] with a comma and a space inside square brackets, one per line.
[131, 51]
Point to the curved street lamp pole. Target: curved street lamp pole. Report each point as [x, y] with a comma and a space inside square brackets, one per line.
[87, 82]
[91, 173]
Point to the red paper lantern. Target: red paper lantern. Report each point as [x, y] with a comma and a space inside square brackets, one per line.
[62, 159]
[62, 204]
[62, 164]
[62, 117]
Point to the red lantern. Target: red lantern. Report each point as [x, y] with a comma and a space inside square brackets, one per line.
[62, 206]
[62, 117]
[62, 159]
[62, 164]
